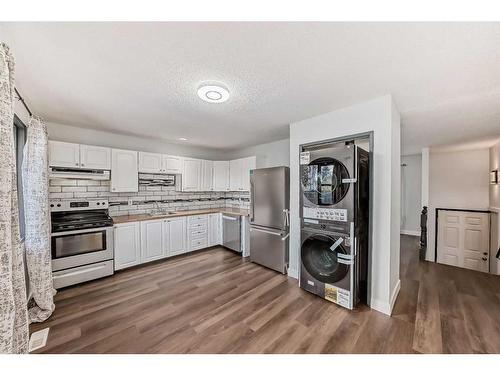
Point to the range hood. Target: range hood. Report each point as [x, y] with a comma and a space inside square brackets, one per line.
[79, 173]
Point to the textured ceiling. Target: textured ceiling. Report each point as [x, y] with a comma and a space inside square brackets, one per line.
[141, 78]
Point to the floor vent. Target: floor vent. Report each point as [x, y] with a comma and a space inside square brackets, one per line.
[38, 339]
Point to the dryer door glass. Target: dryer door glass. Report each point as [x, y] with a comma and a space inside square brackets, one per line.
[322, 181]
[321, 261]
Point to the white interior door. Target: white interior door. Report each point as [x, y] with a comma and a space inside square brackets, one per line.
[463, 239]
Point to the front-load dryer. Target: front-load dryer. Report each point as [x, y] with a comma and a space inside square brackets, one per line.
[328, 266]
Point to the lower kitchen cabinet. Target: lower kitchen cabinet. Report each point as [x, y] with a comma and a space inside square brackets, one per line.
[152, 241]
[127, 245]
[174, 234]
[214, 229]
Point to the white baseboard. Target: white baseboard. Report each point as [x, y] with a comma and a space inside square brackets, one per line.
[293, 272]
[410, 232]
[384, 306]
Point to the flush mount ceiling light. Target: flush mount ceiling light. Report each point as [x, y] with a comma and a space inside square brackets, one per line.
[213, 93]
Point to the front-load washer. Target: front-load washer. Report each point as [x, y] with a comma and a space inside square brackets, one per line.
[328, 266]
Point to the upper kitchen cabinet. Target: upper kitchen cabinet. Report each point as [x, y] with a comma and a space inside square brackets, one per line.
[191, 174]
[159, 163]
[220, 176]
[172, 164]
[74, 155]
[124, 171]
[235, 172]
[239, 173]
[150, 162]
[247, 165]
[207, 173]
[63, 154]
[95, 157]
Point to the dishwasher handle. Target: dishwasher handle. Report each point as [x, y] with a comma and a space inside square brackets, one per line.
[229, 218]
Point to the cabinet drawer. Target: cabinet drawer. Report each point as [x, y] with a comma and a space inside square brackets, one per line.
[198, 233]
[197, 219]
[198, 226]
[198, 243]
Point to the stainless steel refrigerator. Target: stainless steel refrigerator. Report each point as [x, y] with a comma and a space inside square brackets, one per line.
[269, 217]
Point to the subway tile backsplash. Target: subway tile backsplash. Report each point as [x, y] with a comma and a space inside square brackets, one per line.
[148, 198]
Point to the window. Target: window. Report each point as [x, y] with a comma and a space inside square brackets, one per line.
[19, 140]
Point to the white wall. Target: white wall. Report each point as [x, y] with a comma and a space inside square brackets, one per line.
[495, 164]
[457, 179]
[411, 194]
[65, 133]
[273, 154]
[380, 116]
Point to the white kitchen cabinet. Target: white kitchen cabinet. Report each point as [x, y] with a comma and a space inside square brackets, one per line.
[150, 162]
[247, 165]
[235, 174]
[207, 174]
[127, 247]
[124, 171]
[172, 164]
[239, 173]
[175, 236]
[214, 229]
[74, 155]
[197, 232]
[191, 174]
[95, 157]
[152, 240]
[220, 176]
[64, 154]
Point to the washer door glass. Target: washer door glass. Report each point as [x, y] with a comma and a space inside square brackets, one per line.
[321, 261]
[322, 181]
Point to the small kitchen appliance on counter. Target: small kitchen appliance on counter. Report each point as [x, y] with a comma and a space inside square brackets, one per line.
[81, 241]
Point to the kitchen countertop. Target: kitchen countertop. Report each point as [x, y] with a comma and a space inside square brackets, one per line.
[131, 218]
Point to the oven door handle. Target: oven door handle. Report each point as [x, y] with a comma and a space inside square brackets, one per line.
[81, 231]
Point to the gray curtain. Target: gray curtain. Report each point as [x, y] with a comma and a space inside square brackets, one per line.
[13, 311]
[37, 221]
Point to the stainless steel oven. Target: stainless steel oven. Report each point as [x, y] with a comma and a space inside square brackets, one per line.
[80, 247]
[81, 241]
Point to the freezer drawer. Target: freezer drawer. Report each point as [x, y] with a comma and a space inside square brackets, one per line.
[269, 248]
[231, 232]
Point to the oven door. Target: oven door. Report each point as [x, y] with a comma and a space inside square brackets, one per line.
[80, 247]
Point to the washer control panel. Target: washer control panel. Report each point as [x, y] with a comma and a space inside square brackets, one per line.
[334, 214]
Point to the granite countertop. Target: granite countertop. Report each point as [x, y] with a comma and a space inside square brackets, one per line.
[131, 218]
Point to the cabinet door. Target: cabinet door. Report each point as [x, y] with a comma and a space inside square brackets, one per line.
[63, 154]
[235, 167]
[247, 165]
[214, 230]
[221, 176]
[124, 173]
[172, 164]
[127, 245]
[191, 175]
[207, 175]
[150, 163]
[175, 235]
[94, 157]
[152, 244]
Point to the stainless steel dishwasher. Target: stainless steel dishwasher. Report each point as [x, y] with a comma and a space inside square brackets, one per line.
[231, 232]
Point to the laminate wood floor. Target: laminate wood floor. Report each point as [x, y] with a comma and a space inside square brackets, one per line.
[216, 302]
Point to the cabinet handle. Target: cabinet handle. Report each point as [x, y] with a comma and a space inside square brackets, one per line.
[82, 164]
[76, 164]
[484, 258]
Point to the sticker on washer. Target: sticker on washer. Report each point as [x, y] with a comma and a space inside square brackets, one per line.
[305, 157]
[337, 295]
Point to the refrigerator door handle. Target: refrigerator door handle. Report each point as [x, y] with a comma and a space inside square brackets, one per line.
[252, 200]
[265, 231]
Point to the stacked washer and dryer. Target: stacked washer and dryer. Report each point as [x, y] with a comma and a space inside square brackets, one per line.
[334, 207]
